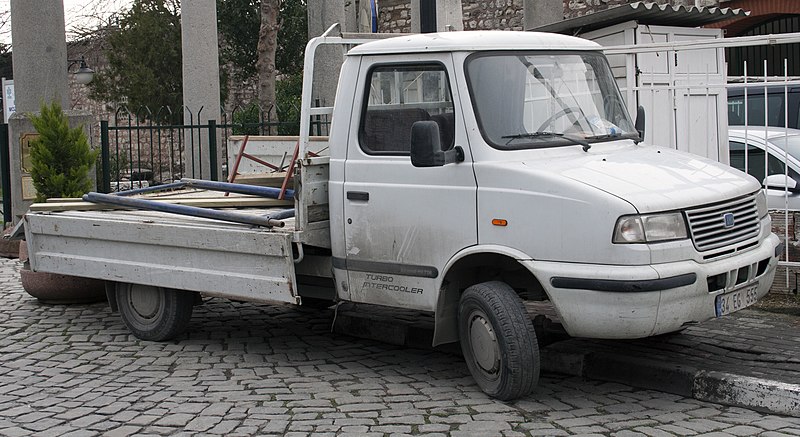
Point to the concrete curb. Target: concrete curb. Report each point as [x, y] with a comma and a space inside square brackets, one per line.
[669, 377]
[756, 393]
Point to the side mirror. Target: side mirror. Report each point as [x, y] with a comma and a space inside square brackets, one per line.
[781, 182]
[639, 123]
[426, 149]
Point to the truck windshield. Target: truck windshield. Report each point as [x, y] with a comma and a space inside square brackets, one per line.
[529, 100]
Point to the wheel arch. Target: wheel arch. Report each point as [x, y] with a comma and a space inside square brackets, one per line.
[474, 265]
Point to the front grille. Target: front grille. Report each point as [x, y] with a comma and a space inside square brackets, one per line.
[707, 224]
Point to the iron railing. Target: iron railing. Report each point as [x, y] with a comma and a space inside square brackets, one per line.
[143, 148]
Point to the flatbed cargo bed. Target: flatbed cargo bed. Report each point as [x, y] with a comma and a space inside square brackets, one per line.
[232, 260]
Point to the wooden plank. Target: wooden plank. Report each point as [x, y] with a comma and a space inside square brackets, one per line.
[263, 179]
[219, 202]
[63, 199]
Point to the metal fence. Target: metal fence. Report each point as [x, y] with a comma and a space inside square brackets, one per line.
[5, 172]
[143, 148]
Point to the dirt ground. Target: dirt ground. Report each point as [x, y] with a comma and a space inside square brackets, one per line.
[780, 303]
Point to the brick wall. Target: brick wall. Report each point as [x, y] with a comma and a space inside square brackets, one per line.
[493, 15]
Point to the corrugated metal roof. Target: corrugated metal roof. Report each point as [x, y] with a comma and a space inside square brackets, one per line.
[643, 13]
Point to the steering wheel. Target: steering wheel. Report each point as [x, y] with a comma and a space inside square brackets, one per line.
[559, 114]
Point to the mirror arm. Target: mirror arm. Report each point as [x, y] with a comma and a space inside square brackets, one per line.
[452, 156]
[780, 188]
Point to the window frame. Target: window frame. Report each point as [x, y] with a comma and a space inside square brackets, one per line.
[769, 156]
[540, 144]
[365, 103]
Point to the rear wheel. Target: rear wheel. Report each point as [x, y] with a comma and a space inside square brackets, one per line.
[154, 313]
[498, 340]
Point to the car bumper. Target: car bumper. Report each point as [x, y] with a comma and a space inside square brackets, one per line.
[612, 301]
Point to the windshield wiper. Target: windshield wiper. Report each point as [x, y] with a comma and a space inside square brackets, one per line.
[613, 136]
[586, 146]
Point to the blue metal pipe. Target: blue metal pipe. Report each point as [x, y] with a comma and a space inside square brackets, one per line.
[151, 189]
[154, 205]
[255, 190]
[280, 215]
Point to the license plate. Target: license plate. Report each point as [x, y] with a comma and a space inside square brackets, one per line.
[736, 300]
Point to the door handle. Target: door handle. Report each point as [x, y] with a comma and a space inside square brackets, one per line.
[358, 195]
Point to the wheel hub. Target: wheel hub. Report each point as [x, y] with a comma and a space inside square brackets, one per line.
[145, 300]
[484, 345]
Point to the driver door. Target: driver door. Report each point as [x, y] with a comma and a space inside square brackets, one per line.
[403, 223]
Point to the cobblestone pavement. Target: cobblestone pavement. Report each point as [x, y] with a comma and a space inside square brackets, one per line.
[248, 369]
[750, 342]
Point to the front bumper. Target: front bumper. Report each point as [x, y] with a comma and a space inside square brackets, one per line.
[612, 301]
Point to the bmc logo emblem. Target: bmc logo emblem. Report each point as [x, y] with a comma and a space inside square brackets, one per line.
[729, 221]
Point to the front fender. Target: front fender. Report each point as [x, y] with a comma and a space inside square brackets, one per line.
[446, 316]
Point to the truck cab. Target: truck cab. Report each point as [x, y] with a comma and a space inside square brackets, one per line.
[507, 163]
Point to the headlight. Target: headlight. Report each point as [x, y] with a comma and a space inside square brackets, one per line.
[650, 228]
[761, 203]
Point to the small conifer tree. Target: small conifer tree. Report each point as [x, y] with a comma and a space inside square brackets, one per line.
[60, 157]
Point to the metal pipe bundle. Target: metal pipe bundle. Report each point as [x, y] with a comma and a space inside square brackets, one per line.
[154, 205]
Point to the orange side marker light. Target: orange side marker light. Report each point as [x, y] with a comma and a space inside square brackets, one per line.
[500, 222]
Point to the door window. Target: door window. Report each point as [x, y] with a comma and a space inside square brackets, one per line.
[755, 161]
[399, 96]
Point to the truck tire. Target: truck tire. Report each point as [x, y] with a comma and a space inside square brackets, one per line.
[154, 313]
[498, 340]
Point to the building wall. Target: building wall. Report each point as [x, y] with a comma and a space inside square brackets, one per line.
[394, 16]
[493, 14]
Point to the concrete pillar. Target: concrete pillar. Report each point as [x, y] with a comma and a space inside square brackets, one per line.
[40, 54]
[448, 13]
[328, 61]
[40, 76]
[364, 17]
[416, 26]
[200, 83]
[541, 12]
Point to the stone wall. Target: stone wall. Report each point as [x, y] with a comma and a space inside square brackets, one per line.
[92, 51]
[394, 16]
[780, 227]
[241, 93]
[493, 15]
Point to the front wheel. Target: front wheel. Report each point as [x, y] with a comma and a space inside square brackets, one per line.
[154, 313]
[498, 340]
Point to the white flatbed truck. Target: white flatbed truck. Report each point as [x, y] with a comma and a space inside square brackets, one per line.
[468, 172]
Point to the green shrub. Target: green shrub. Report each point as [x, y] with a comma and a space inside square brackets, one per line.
[247, 121]
[253, 120]
[60, 157]
[288, 94]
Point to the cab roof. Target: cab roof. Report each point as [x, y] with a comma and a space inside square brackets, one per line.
[473, 41]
